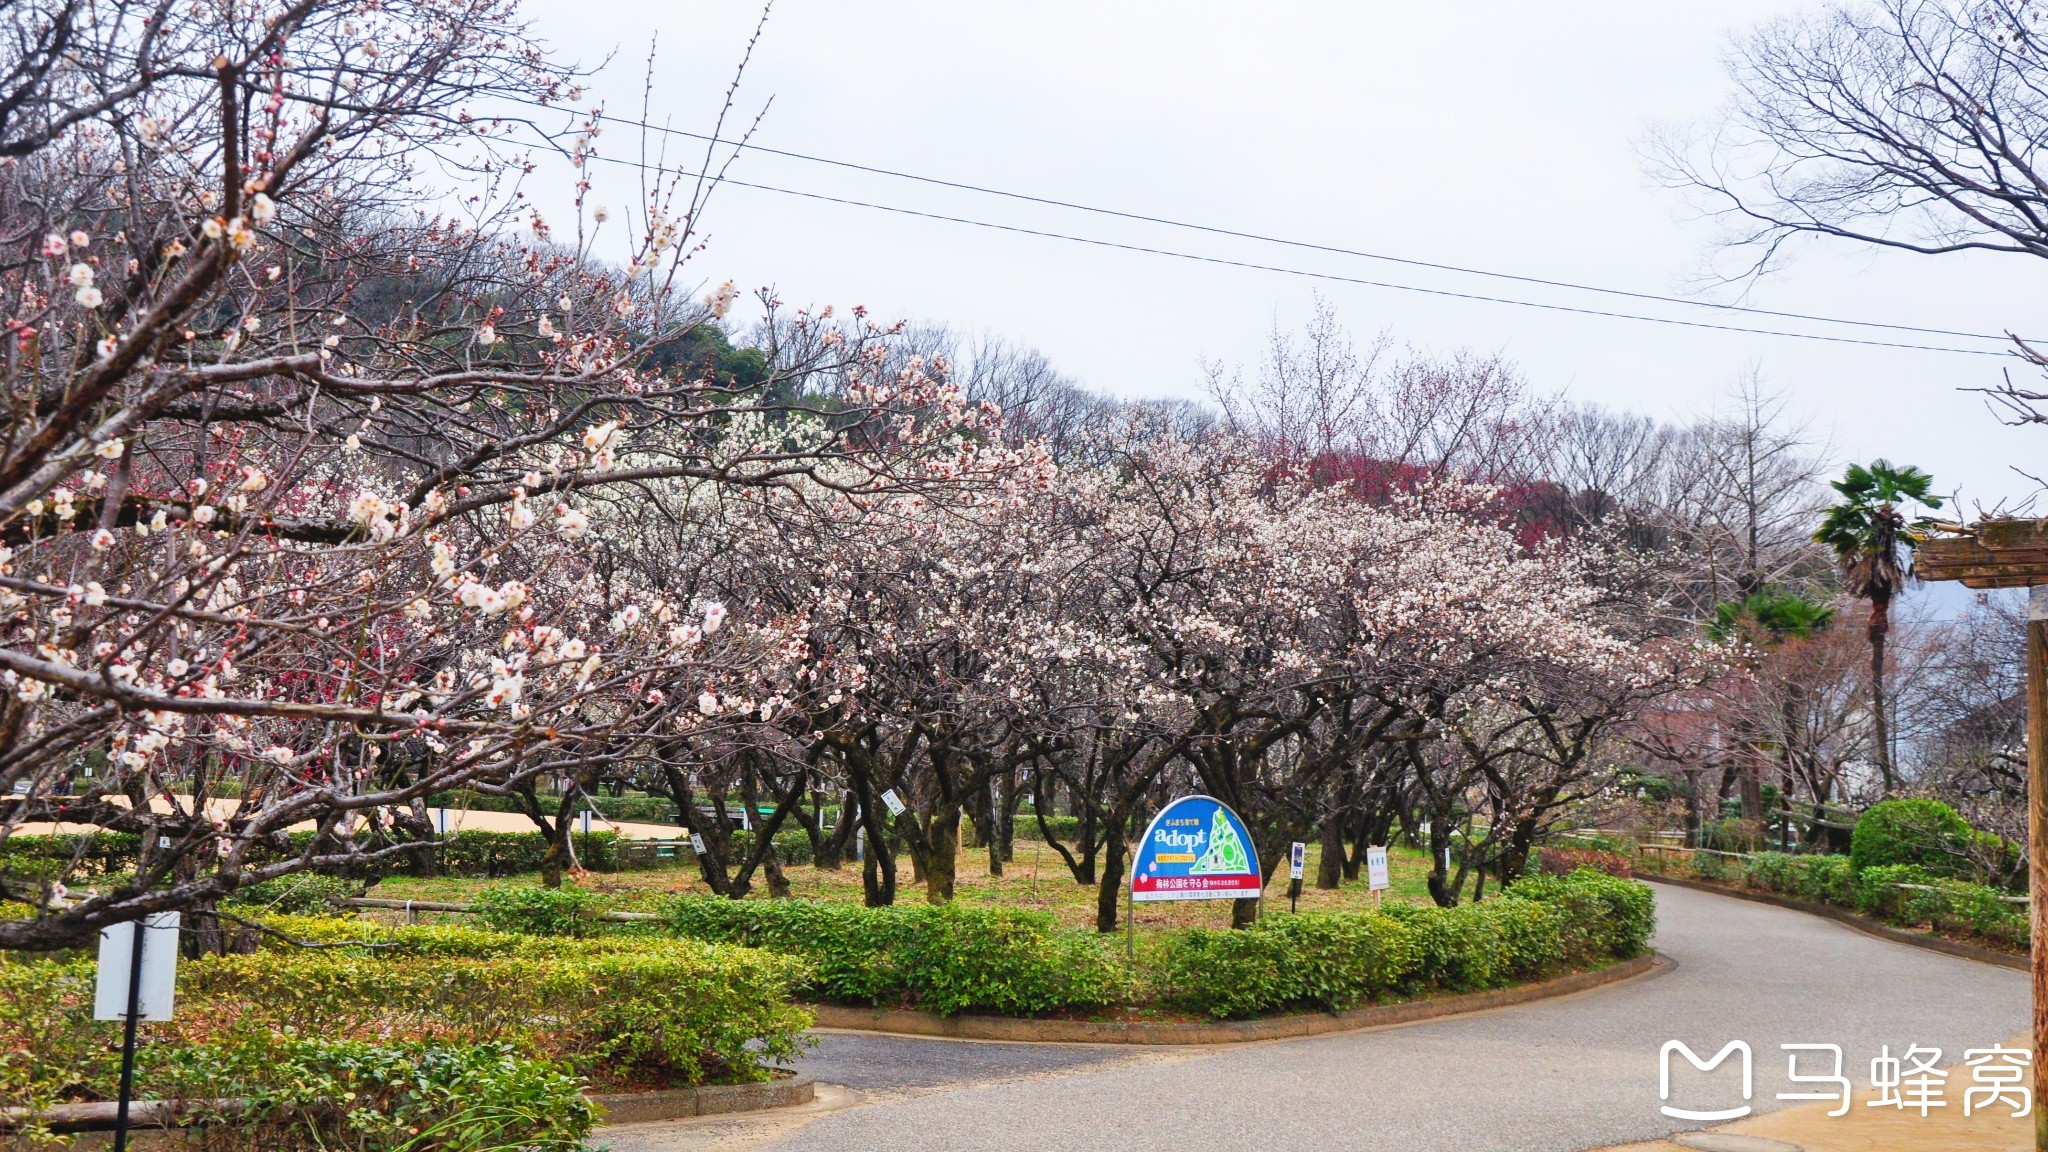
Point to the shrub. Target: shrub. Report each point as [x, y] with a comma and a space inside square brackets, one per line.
[1979, 910]
[1229, 974]
[1564, 861]
[639, 1011]
[564, 911]
[1913, 831]
[1951, 906]
[320, 1094]
[954, 959]
[1735, 835]
[1878, 892]
[495, 854]
[1604, 917]
[1325, 961]
[1066, 828]
[1333, 961]
[792, 845]
[1461, 948]
[945, 958]
[299, 894]
[50, 1046]
[1826, 879]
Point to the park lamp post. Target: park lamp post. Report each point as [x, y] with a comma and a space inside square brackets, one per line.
[2005, 553]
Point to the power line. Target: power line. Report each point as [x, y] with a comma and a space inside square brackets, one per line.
[1332, 277]
[1300, 244]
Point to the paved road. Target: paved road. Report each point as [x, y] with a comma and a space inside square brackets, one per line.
[1573, 1073]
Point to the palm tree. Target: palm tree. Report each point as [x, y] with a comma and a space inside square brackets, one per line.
[1869, 533]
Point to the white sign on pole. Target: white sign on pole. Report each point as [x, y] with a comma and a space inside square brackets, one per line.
[1296, 859]
[1376, 869]
[894, 802]
[697, 843]
[586, 821]
[159, 969]
[860, 844]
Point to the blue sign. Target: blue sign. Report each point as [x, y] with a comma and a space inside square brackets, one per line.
[1196, 849]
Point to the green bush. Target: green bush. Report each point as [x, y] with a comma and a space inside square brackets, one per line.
[1945, 905]
[1066, 828]
[1605, 917]
[1826, 879]
[1334, 961]
[640, 1011]
[92, 854]
[564, 911]
[1914, 831]
[467, 853]
[640, 809]
[792, 845]
[1462, 948]
[1319, 961]
[1229, 974]
[298, 894]
[324, 1094]
[50, 1045]
[945, 958]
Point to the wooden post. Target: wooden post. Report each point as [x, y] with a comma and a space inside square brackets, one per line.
[2010, 553]
[2037, 841]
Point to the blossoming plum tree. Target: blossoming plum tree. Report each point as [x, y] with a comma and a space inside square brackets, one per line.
[305, 460]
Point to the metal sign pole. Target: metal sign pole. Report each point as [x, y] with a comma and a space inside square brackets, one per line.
[128, 1035]
[1130, 921]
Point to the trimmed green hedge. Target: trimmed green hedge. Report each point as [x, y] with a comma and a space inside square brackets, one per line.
[642, 809]
[636, 1010]
[1948, 906]
[1334, 961]
[466, 853]
[944, 958]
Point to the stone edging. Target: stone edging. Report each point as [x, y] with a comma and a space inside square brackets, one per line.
[913, 1023]
[1843, 916]
[709, 1100]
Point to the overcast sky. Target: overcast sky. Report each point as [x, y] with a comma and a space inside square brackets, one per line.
[1504, 136]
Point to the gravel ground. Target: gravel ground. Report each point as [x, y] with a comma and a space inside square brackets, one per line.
[1573, 1073]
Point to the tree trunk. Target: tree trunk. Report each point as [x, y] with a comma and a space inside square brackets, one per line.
[1880, 716]
[942, 866]
[1111, 890]
[832, 848]
[1330, 868]
[771, 865]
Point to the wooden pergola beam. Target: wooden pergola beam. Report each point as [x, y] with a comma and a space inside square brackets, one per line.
[1997, 554]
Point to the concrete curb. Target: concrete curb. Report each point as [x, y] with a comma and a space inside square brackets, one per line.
[1862, 924]
[906, 1022]
[709, 1100]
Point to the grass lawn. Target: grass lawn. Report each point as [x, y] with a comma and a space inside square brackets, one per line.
[1037, 878]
